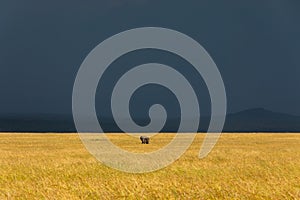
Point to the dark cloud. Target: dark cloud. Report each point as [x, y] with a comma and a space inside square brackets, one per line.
[255, 45]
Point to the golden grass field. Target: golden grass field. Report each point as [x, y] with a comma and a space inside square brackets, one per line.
[241, 166]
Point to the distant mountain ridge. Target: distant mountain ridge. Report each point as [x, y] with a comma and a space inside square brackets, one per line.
[251, 120]
[261, 120]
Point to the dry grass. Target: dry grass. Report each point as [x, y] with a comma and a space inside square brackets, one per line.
[241, 166]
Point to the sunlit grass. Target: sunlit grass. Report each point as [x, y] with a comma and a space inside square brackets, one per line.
[241, 166]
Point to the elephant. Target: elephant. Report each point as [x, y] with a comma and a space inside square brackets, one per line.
[145, 139]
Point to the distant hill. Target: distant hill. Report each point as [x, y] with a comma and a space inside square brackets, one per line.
[37, 123]
[252, 120]
[261, 120]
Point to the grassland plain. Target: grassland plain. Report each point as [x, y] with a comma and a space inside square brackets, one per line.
[241, 166]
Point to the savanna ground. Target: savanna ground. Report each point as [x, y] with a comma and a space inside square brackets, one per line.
[241, 166]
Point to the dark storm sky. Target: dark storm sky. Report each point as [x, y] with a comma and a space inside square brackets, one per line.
[255, 44]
